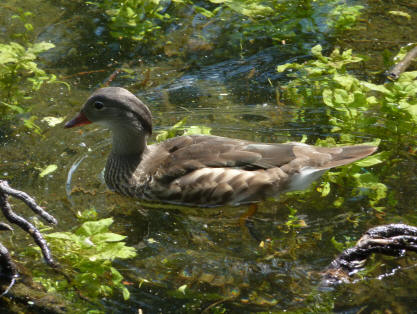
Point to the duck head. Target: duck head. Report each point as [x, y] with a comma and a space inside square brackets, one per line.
[114, 108]
[123, 113]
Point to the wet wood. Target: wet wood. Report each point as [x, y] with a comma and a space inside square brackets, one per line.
[401, 66]
[9, 271]
[393, 240]
[30, 297]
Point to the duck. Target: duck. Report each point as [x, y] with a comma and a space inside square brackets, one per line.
[201, 170]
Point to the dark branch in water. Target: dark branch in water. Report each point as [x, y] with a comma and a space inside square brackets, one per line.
[29, 201]
[5, 227]
[401, 66]
[8, 267]
[392, 240]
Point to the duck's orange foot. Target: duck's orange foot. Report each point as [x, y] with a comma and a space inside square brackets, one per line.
[245, 221]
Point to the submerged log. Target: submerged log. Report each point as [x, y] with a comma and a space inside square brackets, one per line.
[30, 297]
[393, 240]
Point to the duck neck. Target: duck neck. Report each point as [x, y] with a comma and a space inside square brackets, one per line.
[128, 143]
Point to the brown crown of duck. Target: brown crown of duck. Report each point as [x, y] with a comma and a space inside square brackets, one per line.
[201, 170]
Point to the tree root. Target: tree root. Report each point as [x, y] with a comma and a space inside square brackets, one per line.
[401, 66]
[8, 268]
[393, 239]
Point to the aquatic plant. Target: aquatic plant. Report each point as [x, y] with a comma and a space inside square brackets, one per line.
[179, 128]
[133, 19]
[20, 75]
[86, 256]
[350, 104]
[247, 21]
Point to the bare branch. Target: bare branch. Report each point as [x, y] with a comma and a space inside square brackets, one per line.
[29, 201]
[9, 270]
[12, 217]
[401, 66]
[394, 240]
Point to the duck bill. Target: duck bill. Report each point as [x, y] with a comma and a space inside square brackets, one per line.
[78, 120]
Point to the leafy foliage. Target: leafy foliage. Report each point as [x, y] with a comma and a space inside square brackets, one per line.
[180, 129]
[243, 21]
[18, 69]
[17, 65]
[284, 20]
[344, 17]
[88, 253]
[134, 19]
[293, 221]
[350, 103]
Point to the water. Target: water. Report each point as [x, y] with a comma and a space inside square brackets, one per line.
[218, 264]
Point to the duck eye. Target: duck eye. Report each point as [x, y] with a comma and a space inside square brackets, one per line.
[98, 105]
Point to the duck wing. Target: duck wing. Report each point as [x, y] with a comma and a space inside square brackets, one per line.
[217, 169]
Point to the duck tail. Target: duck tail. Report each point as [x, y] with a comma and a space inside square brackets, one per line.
[346, 154]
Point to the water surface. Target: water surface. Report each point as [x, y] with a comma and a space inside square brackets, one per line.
[222, 265]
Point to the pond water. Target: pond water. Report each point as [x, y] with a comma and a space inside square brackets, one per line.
[220, 263]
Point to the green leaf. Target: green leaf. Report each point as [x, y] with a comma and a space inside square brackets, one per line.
[364, 178]
[171, 132]
[60, 235]
[249, 9]
[328, 97]
[14, 107]
[400, 13]
[40, 47]
[316, 51]
[378, 88]
[107, 237]
[203, 11]
[94, 227]
[375, 190]
[284, 67]
[407, 77]
[126, 293]
[52, 121]
[197, 130]
[412, 110]
[29, 27]
[341, 96]
[47, 170]
[372, 160]
[372, 100]
[338, 202]
[116, 275]
[347, 81]
[324, 189]
[339, 246]
[182, 288]
[114, 250]
[88, 214]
